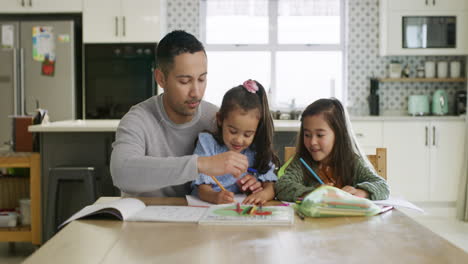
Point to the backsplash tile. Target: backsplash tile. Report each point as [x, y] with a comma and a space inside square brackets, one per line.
[363, 56]
[364, 62]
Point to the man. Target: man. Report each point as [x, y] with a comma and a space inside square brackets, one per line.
[152, 154]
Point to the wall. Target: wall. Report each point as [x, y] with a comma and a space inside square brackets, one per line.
[363, 56]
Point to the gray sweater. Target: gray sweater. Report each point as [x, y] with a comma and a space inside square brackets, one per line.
[153, 156]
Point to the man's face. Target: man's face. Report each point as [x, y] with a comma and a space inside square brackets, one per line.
[184, 86]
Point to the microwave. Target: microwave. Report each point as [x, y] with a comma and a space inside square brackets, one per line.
[427, 30]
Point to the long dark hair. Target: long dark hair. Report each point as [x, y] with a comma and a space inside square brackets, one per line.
[239, 97]
[342, 158]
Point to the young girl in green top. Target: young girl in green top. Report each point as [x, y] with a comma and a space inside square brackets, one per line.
[327, 144]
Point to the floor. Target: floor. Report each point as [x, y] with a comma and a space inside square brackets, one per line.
[440, 220]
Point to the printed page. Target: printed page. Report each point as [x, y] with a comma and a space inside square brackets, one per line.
[125, 208]
[243, 215]
[396, 202]
[195, 201]
[168, 214]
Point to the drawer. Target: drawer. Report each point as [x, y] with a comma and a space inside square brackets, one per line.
[369, 134]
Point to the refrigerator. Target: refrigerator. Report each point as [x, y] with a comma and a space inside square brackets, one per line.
[37, 70]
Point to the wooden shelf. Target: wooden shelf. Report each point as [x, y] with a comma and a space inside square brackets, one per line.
[31, 233]
[459, 80]
[15, 234]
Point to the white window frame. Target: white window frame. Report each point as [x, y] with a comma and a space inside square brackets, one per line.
[273, 46]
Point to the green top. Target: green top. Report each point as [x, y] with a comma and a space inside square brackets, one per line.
[291, 185]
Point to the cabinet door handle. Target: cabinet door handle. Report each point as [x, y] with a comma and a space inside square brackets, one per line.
[22, 3]
[124, 25]
[116, 26]
[427, 135]
[433, 2]
[433, 136]
[427, 2]
[30, 2]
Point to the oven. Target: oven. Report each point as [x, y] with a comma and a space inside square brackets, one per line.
[116, 77]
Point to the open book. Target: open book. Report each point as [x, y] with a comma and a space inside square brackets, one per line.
[131, 209]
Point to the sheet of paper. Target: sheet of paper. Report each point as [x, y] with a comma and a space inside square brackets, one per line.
[195, 201]
[168, 214]
[7, 36]
[396, 202]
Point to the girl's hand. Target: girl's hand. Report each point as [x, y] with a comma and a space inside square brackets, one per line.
[258, 198]
[224, 197]
[356, 192]
[249, 183]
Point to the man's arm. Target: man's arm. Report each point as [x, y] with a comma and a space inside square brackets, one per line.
[133, 171]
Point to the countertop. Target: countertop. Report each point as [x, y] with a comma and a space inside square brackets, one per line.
[110, 125]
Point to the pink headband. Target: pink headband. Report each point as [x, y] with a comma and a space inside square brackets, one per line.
[250, 86]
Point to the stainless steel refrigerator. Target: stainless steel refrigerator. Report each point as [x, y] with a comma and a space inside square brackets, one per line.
[37, 69]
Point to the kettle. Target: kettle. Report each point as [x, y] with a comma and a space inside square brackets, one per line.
[440, 102]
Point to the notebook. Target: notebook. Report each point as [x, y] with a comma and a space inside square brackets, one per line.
[131, 209]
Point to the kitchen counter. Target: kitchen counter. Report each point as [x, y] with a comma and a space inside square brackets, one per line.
[110, 125]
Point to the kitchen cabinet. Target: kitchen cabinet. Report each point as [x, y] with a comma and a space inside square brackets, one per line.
[368, 135]
[41, 6]
[25, 233]
[422, 40]
[110, 21]
[439, 5]
[424, 158]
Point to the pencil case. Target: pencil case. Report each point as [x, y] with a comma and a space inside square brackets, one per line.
[328, 201]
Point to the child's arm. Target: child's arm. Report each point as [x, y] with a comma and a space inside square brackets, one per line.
[206, 193]
[367, 180]
[260, 198]
[291, 185]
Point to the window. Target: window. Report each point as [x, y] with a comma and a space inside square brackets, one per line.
[294, 48]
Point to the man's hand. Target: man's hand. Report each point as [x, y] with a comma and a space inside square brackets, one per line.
[356, 192]
[225, 163]
[249, 184]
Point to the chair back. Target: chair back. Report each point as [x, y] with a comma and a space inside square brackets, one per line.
[379, 160]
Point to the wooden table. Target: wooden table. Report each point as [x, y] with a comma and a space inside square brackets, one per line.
[30, 233]
[388, 238]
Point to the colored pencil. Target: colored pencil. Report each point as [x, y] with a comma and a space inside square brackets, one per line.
[217, 182]
[312, 171]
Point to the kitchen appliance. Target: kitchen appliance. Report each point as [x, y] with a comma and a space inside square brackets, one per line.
[422, 32]
[37, 69]
[440, 102]
[418, 105]
[117, 76]
[374, 97]
[460, 102]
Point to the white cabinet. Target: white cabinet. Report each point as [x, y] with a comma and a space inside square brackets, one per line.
[424, 158]
[446, 152]
[392, 27]
[123, 20]
[439, 5]
[41, 6]
[369, 135]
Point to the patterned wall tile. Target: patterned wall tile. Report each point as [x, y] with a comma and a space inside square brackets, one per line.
[185, 15]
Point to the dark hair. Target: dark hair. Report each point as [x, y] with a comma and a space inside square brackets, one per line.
[342, 157]
[239, 97]
[173, 44]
